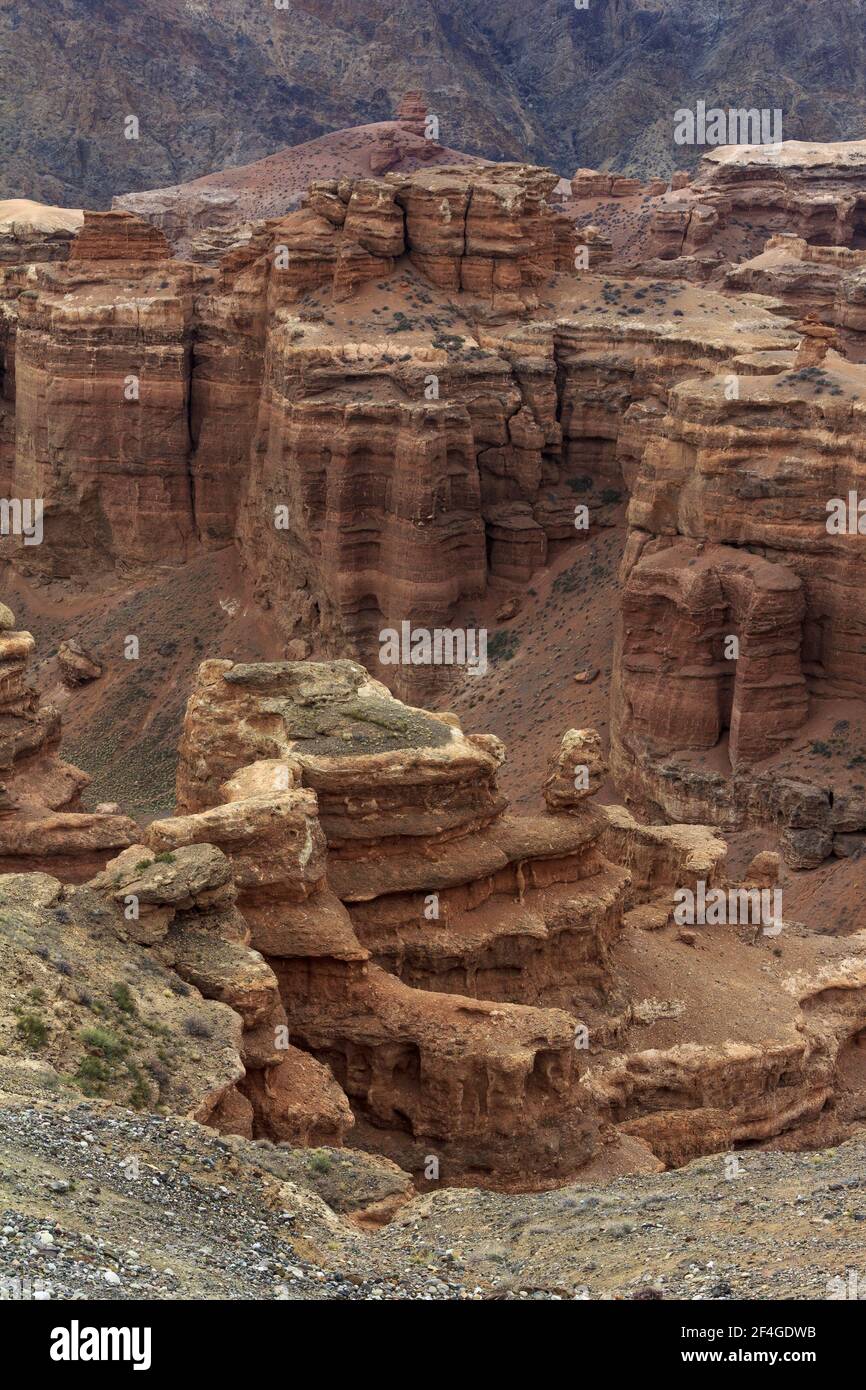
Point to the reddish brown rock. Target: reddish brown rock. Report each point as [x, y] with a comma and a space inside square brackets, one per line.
[734, 622]
[577, 772]
[373, 468]
[720, 514]
[77, 666]
[118, 236]
[743, 194]
[40, 823]
[102, 413]
[446, 929]
[411, 816]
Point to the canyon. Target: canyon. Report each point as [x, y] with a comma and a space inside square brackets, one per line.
[413, 910]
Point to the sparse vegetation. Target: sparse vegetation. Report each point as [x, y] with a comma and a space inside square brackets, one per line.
[103, 1042]
[197, 1027]
[503, 645]
[32, 1030]
[122, 996]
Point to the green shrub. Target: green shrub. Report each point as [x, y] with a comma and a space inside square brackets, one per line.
[139, 1096]
[103, 1042]
[32, 1030]
[92, 1074]
[122, 996]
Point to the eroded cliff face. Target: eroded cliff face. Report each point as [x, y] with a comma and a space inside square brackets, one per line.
[390, 400]
[101, 393]
[824, 283]
[416, 953]
[742, 195]
[741, 639]
[737, 690]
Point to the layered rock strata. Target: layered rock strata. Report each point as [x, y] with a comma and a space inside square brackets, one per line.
[33, 232]
[365, 946]
[374, 465]
[195, 216]
[701, 1087]
[743, 194]
[380, 467]
[740, 639]
[401, 965]
[445, 960]
[827, 282]
[184, 910]
[102, 399]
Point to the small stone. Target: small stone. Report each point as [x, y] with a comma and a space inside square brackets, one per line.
[509, 609]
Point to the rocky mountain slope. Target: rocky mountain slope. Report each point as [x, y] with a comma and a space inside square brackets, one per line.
[224, 84]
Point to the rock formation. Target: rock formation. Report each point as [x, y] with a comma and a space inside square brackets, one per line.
[596, 183]
[77, 666]
[826, 283]
[744, 194]
[365, 945]
[720, 698]
[184, 911]
[101, 394]
[201, 378]
[419, 936]
[31, 231]
[283, 402]
[198, 216]
[383, 468]
[41, 825]
[454, 968]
